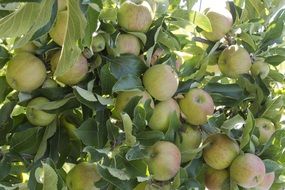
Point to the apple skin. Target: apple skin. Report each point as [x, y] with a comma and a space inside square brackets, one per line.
[38, 117]
[189, 138]
[161, 114]
[266, 128]
[161, 81]
[128, 43]
[135, 17]
[261, 68]
[73, 75]
[164, 161]
[220, 152]
[217, 179]
[98, 43]
[25, 72]
[196, 105]
[267, 182]
[234, 60]
[49, 83]
[221, 21]
[57, 32]
[83, 176]
[247, 170]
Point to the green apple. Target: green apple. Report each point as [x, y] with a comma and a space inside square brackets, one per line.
[261, 68]
[161, 114]
[98, 43]
[161, 81]
[135, 17]
[36, 116]
[197, 105]
[220, 151]
[189, 139]
[25, 72]
[49, 83]
[247, 170]
[265, 128]
[83, 176]
[73, 75]
[221, 21]
[217, 179]
[57, 32]
[267, 182]
[234, 60]
[164, 160]
[128, 43]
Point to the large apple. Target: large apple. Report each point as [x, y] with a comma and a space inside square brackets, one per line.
[161, 81]
[135, 17]
[234, 60]
[161, 114]
[260, 67]
[73, 75]
[36, 116]
[83, 176]
[128, 43]
[217, 179]
[265, 129]
[25, 72]
[190, 138]
[98, 43]
[197, 105]
[247, 170]
[220, 151]
[221, 21]
[57, 32]
[267, 182]
[164, 160]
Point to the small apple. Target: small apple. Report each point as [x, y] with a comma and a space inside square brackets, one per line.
[265, 128]
[261, 68]
[267, 182]
[57, 32]
[196, 105]
[128, 43]
[220, 151]
[247, 170]
[36, 116]
[164, 160]
[25, 72]
[161, 81]
[49, 83]
[83, 176]
[162, 113]
[98, 43]
[217, 179]
[234, 60]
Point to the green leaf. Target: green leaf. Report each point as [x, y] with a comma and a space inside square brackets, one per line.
[275, 60]
[235, 122]
[247, 130]
[47, 176]
[168, 40]
[272, 166]
[5, 89]
[128, 128]
[247, 39]
[107, 79]
[200, 20]
[128, 83]
[274, 31]
[140, 36]
[87, 95]
[137, 152]
[4, 56]
[149, 137]
[88, 132]
[272, 107]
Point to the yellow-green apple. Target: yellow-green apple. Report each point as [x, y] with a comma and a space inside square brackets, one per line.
[57, 32]
[247, 170]
[265, 129]
[25, 72]
[164, 160]
[161, 81]
[49, 83]
[267, 182]
[83, 176]
[197, 105]
[98, 43]
[260, 67]
[35, 115]
[217, 179]
[73, 75]
[234, 60]
[135, 17]
[220, 151]
[161, 114]
[189, 139]
[128, 43]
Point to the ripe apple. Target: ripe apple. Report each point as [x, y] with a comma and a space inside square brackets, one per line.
[57, 32]
[73, 75]
[128, 43]
[267, 182]
[49, 83]
[164, 160]
[36, 116]
[190, 138]
[247, 170]
[83, 176]
[234, 60]
[25, 72]
[261, 68]
[196, 105]
[161, 114]
[161, 81]
[98, 43]
[217, 179]
[220, 151]
[221, 21]
[265, 128]
[135, 17]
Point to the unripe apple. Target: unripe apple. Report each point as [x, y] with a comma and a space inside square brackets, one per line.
[73, 75]
[221, 21]
[36, 116]
[217, 179]
[135, 17]
[164, 161]
[190, 138]
[247, 170]
[267, 182]
[128, 43]
[266, 128]
[25, 72]
[220, 151]
[57, 32]
[161, 81]
[196, 105]
[161, 114]
[261, 68]
[83, 176]
[98, 43]
[49, 83]
[234, 60]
